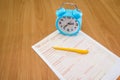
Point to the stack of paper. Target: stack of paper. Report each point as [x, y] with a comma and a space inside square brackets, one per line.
[98, 64]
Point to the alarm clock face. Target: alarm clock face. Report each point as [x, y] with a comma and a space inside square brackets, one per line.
[68, 25]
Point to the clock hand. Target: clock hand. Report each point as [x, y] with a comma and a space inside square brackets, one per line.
[67, 24]
[71, 23]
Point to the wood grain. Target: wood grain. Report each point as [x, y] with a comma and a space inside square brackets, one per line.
[25, 22]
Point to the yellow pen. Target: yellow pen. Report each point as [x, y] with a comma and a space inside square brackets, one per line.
[71, 49]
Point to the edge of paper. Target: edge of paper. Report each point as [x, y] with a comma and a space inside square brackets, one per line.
[50, 66]
[115, 69]
[114, 73]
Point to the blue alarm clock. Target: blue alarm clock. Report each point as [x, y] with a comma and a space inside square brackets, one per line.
[68, 21]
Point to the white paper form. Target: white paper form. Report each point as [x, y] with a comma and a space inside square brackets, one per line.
[98, 64]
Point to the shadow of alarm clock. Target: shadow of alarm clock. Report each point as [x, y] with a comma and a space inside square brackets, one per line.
[68, 21]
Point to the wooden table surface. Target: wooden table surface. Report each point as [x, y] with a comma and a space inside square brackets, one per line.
[25, 22]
